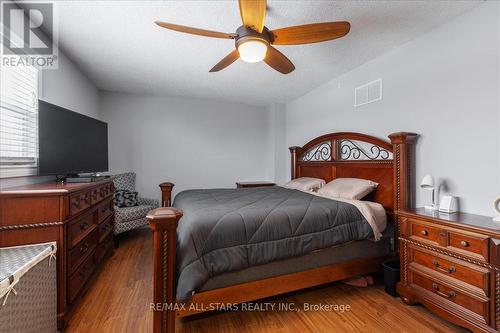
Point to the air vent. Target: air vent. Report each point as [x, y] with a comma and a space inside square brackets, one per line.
[368, 93]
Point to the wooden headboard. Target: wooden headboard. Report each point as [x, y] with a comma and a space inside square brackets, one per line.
[356, 155]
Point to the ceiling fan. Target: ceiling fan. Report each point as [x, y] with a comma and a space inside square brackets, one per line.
[254, 41]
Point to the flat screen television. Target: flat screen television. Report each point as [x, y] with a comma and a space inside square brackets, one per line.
[70, 143]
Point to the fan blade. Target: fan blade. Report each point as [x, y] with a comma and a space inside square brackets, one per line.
[278, 61]
[228, 60]
[196, 31]
[310, 33]
[253, 13]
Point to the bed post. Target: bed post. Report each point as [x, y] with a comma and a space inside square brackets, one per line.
[293, 156]
[164, 222]
[403, 144]
[166, 193]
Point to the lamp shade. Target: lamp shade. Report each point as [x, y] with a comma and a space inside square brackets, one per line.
[252, 51]
[427, 182]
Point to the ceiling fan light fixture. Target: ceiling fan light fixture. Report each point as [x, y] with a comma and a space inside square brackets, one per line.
[254, 41]
[252, 50]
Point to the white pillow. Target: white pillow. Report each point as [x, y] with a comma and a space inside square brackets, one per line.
[305, 184]
[348, 188]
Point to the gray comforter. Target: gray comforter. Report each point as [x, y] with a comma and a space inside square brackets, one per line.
[223, 230]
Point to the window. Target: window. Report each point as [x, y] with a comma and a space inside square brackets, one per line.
[18, 121]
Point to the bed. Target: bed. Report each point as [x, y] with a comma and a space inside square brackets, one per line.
[239, 245]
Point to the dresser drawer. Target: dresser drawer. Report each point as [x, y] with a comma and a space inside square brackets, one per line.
[105, 210]
[469, 244]
[101, 192]
[80, 228]
[79, 202]
[105, 228]
[443, 291]
[80, 276]
[105, 247]
[425, 232]
[82, 250]
[473, 275]
[461, 242]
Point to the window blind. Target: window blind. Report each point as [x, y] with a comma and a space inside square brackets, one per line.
[18, 119]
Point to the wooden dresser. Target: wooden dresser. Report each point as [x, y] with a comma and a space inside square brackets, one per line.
[451, 264]
[79, 217]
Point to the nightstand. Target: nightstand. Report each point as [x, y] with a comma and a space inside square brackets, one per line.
[254, 184]
[451, 264]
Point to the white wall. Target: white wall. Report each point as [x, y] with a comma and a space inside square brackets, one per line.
[70, 89]
[192, 143]
[66, 87]
[277, 114]
[445, 86]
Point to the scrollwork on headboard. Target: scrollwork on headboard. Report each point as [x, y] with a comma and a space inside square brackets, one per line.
[320, 152]
[359, 150]
[345, 147]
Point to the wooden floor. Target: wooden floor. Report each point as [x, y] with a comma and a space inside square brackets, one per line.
[119, 299]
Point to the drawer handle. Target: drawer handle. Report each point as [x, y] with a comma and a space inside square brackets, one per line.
[84, 225]
[76, 203]
[104, 210]
[450, 270]
[424, 232]
[449, 294]
[464, 243]
[84, 248]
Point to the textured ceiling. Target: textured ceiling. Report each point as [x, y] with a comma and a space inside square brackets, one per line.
[119, 48]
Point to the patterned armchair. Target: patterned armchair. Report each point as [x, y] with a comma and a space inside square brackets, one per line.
[128, 218]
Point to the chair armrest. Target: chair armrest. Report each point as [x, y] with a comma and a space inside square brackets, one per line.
[148, 202]
[166, 194]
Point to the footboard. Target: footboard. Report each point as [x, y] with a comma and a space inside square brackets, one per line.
[164, 222]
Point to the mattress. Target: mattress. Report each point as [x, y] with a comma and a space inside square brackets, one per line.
[227, 230]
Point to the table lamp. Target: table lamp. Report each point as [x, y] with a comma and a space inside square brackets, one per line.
[429, 184]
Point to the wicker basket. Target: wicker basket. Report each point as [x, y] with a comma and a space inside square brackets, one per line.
[28, 288]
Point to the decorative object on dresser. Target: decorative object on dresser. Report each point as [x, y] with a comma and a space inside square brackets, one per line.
[451, 264]
[496, 205]
[448, 204]
[344, 155]
[254, 184]
[428, 183]
[79, 217]
[134, 216]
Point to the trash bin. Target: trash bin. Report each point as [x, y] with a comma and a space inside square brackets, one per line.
[391, 276]
[28, 288]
